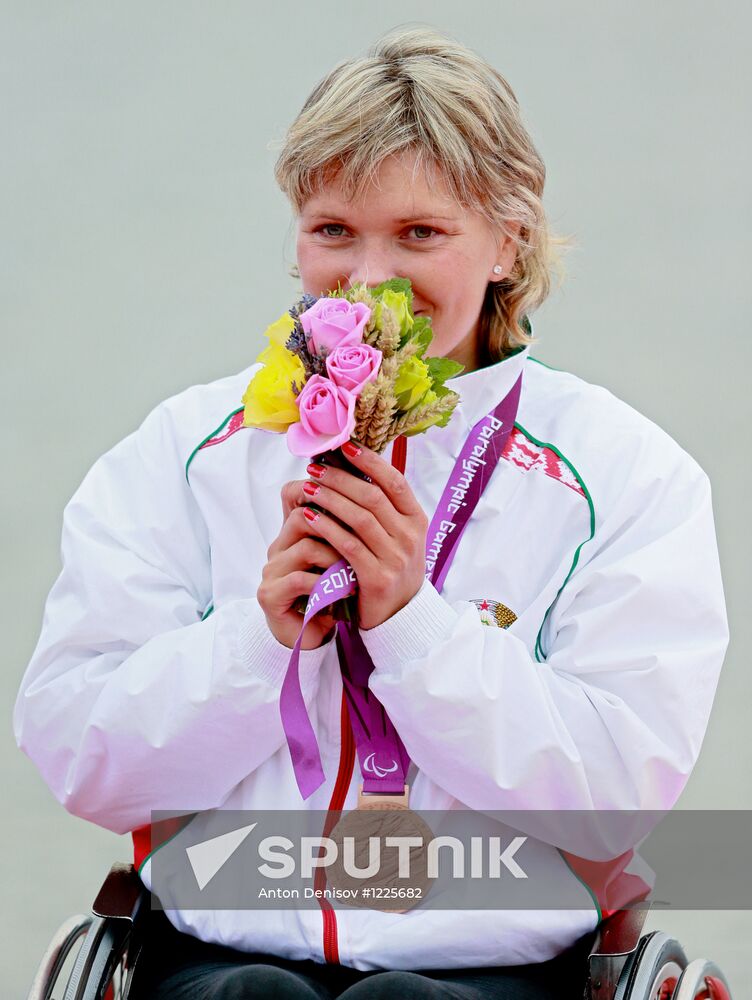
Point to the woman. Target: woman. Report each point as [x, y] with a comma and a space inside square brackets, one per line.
[568, 662]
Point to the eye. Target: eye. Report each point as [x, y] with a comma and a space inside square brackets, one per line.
[326, 229]
[422, 233]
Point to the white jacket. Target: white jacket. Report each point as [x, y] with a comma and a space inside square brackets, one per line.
[155, 683]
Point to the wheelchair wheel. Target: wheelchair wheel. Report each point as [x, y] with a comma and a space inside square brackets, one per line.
[59, 950]
[653, 970]
[702, 980]
[100, 972]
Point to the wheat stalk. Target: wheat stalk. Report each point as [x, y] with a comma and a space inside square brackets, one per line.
[390, 366]
[362, 294]
[409, 349]
[374, 431]
[385, 337]
[364, 409]
[405, 421]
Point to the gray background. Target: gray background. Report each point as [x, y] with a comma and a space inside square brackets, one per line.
[144, 248]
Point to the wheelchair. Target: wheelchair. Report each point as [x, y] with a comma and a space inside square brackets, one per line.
[101, 952]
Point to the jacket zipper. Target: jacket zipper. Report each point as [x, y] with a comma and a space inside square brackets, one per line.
[344, 777]
[341, 785]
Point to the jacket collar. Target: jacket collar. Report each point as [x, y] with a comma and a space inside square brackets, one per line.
[479, 392]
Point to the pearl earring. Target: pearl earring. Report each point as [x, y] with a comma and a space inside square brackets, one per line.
[497, 269]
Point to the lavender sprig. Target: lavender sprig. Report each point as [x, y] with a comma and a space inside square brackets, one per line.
[302, 305]
[297, 342]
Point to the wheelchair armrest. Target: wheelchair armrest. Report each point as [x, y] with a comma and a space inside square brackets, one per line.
[617, 937]
[122, 894]
[620, 933]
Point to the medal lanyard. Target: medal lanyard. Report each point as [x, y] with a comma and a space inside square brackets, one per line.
[383, 759]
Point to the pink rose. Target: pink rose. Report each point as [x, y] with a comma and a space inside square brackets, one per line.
[327, 418]
[331, 323]
[353, 367]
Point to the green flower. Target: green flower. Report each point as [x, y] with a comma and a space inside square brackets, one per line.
[399, 306]
[412, 383]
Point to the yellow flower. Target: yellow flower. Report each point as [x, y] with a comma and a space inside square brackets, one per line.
[269, 400]
[412, 382]
[398, 304]
[278, 333]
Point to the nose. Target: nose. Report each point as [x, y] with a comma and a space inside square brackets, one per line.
[371, 266]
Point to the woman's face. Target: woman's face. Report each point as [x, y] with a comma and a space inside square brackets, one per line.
[406, 226]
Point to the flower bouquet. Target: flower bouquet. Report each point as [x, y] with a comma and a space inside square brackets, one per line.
[350, 365]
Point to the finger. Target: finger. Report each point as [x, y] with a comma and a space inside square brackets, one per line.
[366, 495]
[282, 592]
[364, 522]
[347, 543]
[391, 481]
[303, 554]
[293, 529]
[290, 496]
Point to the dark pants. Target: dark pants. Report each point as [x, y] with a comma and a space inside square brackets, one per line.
[177, 966]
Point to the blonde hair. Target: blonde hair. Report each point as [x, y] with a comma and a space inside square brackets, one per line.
[421, 92]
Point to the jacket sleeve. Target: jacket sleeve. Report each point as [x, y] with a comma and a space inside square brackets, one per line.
[614, 716]
[131, 701]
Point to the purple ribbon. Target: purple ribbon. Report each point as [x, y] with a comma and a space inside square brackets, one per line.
[471, 474]
[383, 759]
[337, 582]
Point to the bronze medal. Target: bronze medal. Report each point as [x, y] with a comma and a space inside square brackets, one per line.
[381, 816]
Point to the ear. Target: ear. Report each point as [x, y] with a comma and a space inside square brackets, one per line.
[506, 253]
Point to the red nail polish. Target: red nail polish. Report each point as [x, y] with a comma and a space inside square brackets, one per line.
[311, 489]
[317, 471]
[312, 515]
[351, 450]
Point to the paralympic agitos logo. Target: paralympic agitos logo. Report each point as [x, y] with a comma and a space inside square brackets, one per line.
[370, 765]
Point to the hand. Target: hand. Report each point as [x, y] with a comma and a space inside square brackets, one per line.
[287, 574]
[378, 527]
